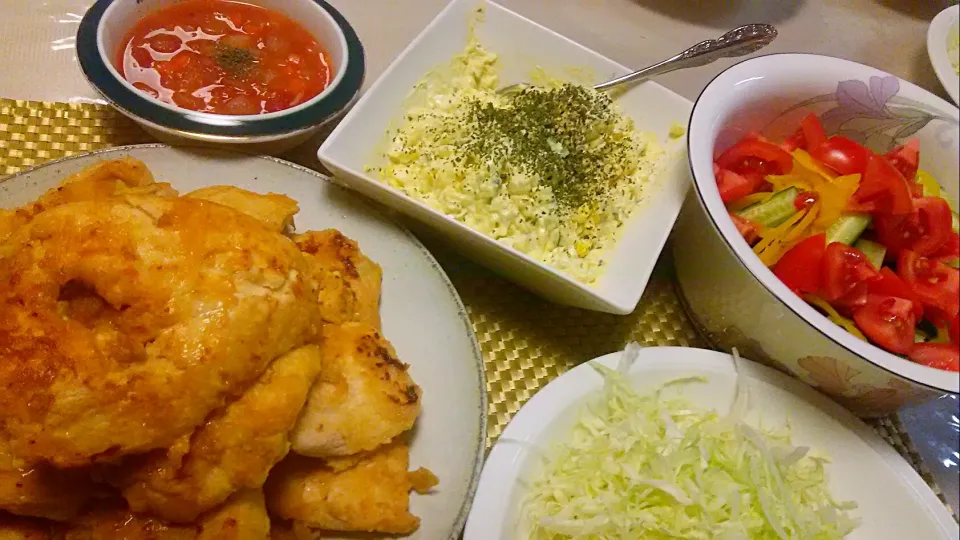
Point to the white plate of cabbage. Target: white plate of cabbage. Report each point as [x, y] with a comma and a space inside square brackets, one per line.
[673, 442]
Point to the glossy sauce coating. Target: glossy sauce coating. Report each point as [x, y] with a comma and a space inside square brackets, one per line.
[224, 57]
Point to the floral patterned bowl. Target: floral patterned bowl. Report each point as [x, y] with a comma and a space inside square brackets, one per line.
[731, 293]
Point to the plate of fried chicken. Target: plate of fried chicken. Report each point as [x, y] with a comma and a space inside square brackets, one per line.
[202, 344]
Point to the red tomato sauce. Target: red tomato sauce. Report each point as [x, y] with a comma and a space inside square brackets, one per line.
[224, 57]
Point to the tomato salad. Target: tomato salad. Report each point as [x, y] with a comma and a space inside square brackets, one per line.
[865, 238]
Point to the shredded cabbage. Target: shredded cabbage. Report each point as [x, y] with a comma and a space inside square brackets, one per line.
[649, 466]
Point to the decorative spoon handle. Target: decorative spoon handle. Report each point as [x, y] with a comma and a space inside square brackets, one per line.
[740, 41]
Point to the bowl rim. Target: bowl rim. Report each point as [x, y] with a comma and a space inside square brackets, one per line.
[613, 300]
[937, 33]
[341, 92]
[936, 379]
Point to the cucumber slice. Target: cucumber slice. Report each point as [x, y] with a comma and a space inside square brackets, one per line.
[848, 228]
[774, 211]
[874, 251]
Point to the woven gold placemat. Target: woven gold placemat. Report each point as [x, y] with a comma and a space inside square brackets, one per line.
[526, 342]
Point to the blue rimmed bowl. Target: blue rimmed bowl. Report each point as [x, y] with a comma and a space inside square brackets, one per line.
[107, 23]
[729, 291]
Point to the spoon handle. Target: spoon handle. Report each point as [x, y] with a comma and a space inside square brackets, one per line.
[740, 41]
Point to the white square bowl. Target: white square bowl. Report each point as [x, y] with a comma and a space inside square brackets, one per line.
[522, 45]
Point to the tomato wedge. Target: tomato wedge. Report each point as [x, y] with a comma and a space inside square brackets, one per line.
[755, 156]
[915, 189]
[937, 317]
[935, 284]
[841, 154]
[797, 267]
[924, 231]
[746, 228]
[950, 250]
[882, 189]
[755, 136]
[805, 200]
[906, 158]
[943, 356]
[845, 272]
[888, 321]
[890, 284]
[954, 330]
[734, 186]
[809, 136]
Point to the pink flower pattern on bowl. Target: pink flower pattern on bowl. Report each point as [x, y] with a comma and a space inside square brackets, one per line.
[837, 379]
[870, 113]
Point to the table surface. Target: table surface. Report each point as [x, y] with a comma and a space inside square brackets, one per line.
[38, 62]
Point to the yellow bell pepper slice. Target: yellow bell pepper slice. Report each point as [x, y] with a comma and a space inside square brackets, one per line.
[807, 174]
[834, 317]
[790, 237]
[773, 243]
[835, 196]
[930, 186]
[802, 227]
[780, 230]
[772, 254]
[806, 161]
[803, 182]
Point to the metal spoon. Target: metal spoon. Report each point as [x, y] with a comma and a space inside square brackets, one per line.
[740, 41]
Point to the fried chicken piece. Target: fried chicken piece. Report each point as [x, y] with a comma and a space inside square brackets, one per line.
[242, 517]
[175, 306]
[373, 495]
[235, 449]
[280, 530]
[297, 530]
[363, 398]
[22, 528]
[348, 282]
[275, 211]
[102, 180]
[42, 491]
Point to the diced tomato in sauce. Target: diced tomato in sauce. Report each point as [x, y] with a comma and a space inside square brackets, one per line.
[224, 57]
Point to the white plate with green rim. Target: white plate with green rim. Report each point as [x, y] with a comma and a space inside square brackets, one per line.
[421, 312]
[894, 502]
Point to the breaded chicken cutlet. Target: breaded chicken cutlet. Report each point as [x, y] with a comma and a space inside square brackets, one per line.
[13, 527]
[182, 303]
[42, 490]
[273, 210]
[159, 350]
[242, 517]
[348, 282]
[364, 397]
[366, 494]
[100, 181]
[234, 450]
